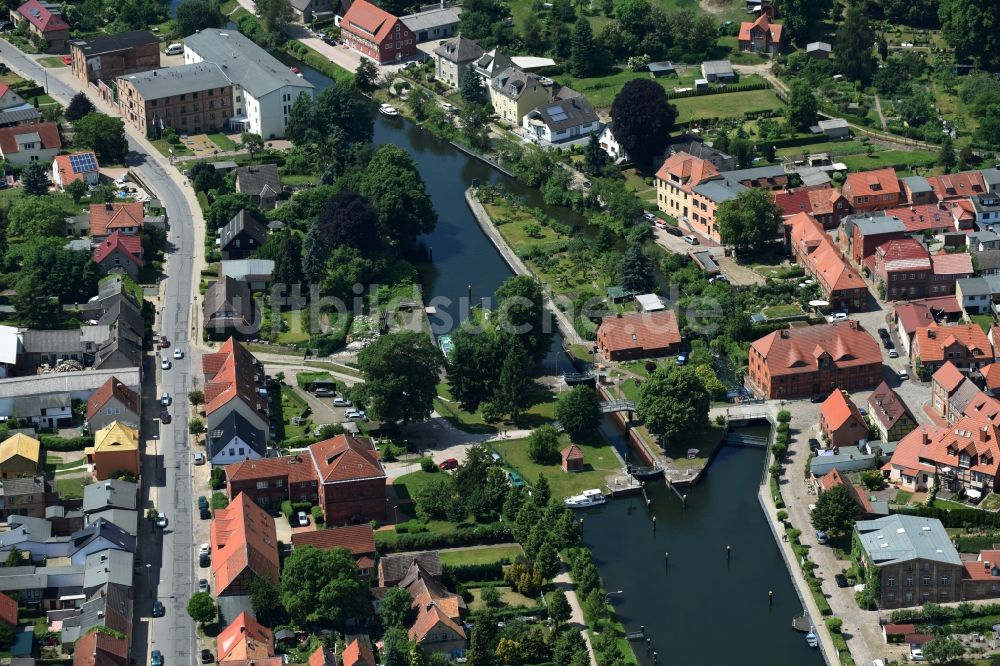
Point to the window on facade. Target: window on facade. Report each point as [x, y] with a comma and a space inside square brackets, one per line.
[909, 581]
[261, 485]
[890, 581]
[926, 580]
[944, 580]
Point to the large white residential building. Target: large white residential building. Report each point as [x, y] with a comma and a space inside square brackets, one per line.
[264, 89]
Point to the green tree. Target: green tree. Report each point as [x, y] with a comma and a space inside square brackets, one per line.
[342, 112]
[541, 493]
[801, 17]
[15, 558]
[202, 609]
[205, 177]
[514, 390]
[366, 77]
[946, 154]
[78, 107]
[434, 499]
[76, 189]
[196, 397]
[642, 118]
[265, 600]
[483, 639]
[224, 207]
[547, 561]
[970, 27]
[394, 186]
[944, 650]
[395, 647]
[802, 106]
[196, 426]
[322, 586]
[6, 635]
[673, 401]
[853, 46]
[285, 249]
[543, 445]
[195, 15]
[637, 270]
[474, 366]
[835, 511]
[252, 143]
[520, 312]
[302, 122]
[579, 412]
[105, 135]
[559, 608]
[34, 217]
[396, 608]
[594, 606]
[583, 59]
[275, 15]
[742, 151]
[34, 307]
[476, 124]
[872, 479]
[750, 220]
[594, 157]
[401, 374]
[471, 87]
[416, 657]
[490, 595]
[35, 180]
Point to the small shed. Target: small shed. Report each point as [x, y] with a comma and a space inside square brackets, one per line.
[661, 69]
[705, 261]
[701, 85]
[720, 71]
[620, 294]
[572, 459]
[649, 302]
[834, 128]
[819, 50]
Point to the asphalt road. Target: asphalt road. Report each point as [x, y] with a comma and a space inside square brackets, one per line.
[169, 554]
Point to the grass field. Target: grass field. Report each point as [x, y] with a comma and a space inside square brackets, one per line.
[985, 321]
[778, 311]
[51, 61]
[222, 141]
[71, 488]
[541, 411]
[164, 147]
[295, 329]
[11, 195]
[292, 405]
[599, 461]
[508, 598]
[726, 105]
[903, 497]
[885, 158]
[706, 441]
[409, 485]
[481, 554]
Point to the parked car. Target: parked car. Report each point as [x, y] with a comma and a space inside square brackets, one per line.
[202, 585]
[303, 518]
[156, 658]
[916, 654]
[450, 463]
[341, 402]
[164, 343]
[158, 609]
[814, 444]
[356, 415]
[207, 657]
[165, 417]
[178, 353]
[821, 537]
[161, 520]
[681, 359]
[199, 458]
[902, 373]
[893, 353]
[836, 316]
[841, 580]
[164, 362]
[204, 549]
[165, 399]
[718, 278]
[690, 240]
[205, 514]
[174, 49]
[202, 502]
[673, 231]
[883, 333]
[324, 391]
[204, 561]
[816, 398]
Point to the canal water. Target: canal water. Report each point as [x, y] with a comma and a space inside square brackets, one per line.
[701, 609]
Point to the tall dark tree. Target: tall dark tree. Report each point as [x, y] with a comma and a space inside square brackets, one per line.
[480, 20]
[265, 599]
[970, 26]
[341, 110]
[474, 366]
[301, 127]
[853, 46]
[946, 154]
[285, 250]
[401, 375]
[322, 586]
[34, 307]
[801, 18]
[802, 106]
[471, 86]
[749, 220]
[594, 158]
[195, 15]
[78, 107]
[513, 393]
[835, 511]
[394, 186]
[205, 177]
[105, 135]
[583, 58]
[349, 219]
[637, 270]
[673, 401]
[579, 412]
[275, 15]
[395, 647]
[366, 76]
[521, 312]
[642, 119]
[224, 207]
[35, 179]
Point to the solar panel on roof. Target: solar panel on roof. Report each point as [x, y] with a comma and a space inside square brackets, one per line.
[83, 163]
[556, 113]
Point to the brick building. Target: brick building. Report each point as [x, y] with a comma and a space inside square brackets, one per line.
[840, 421]
[377, 34]
[639, 335]
[110, 56]
[244, 546]
[813, 249]
[964, 345]
[826, 204]
[191, 99]
[872, 190]
[813, 360]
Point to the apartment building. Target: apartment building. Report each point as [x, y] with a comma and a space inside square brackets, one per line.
[192, 99]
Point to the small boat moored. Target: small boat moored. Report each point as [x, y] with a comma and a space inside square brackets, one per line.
[388, 110]
[586, 499]
[812, 639]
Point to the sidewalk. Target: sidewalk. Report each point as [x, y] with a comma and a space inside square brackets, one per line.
[564, 581]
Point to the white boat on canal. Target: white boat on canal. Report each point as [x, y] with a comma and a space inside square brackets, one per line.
[588, 498]
[388, 110]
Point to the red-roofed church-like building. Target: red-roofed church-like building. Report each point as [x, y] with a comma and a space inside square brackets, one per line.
[761, 36]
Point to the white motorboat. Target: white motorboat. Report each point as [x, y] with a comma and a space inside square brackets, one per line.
[812, 640]
[586, 499]
[388, 110]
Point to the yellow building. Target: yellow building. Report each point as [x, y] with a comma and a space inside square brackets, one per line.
[514, 93]
[116, 448]
[19, 456]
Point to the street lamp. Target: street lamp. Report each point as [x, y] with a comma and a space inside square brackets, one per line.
[149, 579]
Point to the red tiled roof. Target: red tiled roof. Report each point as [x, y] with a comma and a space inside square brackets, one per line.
[833, 479]
[346, 458]
[40, 17]
[364, 17]
[774, 29]
[130, 246]
[322, 657]
[47, 132]
[819, 201]
[797, 350]
[824, 261]
[921, 217]
[572, 452]
[245, 638]
[359, 539]
[112, 388]
[65, 168]
[976, 437]
[837, 410]
[357, 653]
[913, 315]
[639, 330]
[893, 629]
[991, 374]
[903, 254]
[428, 619]
[909, 450]
[932, 341]
[8, 610]
[106, 217]
[100, 649]
[232, 373]
[872, 183]
[958, 264]
[297, 468]
[948, 377]
[964, 184]
[687, 170]
[983, 406]
[243, 537]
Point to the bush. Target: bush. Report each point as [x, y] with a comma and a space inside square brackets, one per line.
[454, 574]
[784, 416]
[218, 478]
[782, 515]
[834, 624]
[54, 443]
[427, 464]
[317, 514]
[479, 535]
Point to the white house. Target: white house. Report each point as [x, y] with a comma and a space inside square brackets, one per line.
[78, 166]
[264, 89]
[610, 144]
[561, 120]
[29, 143]
[235, 439]
[14, 110]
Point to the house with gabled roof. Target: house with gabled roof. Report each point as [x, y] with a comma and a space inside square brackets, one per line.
[99, 648]
[842, 285]
[841, 422]
[889, 414]
[245, 638]
[229, 309]
[19, 456]
[377, 34]
[126, 218]
[351, 479]
[951, 186]
[120, 253]
[964, 345]
[45, 21]
[99, 536]
[244, 547]
[30, 143]
[14, 110]
[261, 182]
[761, 36]
[115, 449]
[234, 439]
[826, 204]
[234, 380]
[633, 335]
[358, 539]
[872, 190]
[113, 401]
[357, 653]
[81, 166]
[514, 92]
[454, 57]
[242, 236]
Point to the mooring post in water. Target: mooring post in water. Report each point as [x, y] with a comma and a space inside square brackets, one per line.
[654, 524]
[655, 656]
[648, 648]
[729, 552]
[642, 628]
[770, 598]
[684, 501]
[666, 561]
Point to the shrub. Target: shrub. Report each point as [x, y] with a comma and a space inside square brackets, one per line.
[834, 624]
[784, 416]
[427, 464]
[317, 514]
[782, 515]
[54, 443]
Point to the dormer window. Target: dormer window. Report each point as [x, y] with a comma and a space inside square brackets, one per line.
[963, 459]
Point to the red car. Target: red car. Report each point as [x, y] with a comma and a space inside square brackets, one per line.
[164, 343]
[450, 463]
[67, 60]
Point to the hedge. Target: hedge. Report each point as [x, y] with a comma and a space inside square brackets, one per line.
[540, 612]
[974, 544]
[479, 535]
[734, 88]
[55, 443]
[466, 573]
[955, 517]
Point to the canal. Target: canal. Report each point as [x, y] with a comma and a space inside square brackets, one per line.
[701, 609]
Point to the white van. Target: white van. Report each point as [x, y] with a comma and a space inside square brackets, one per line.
[174, 49]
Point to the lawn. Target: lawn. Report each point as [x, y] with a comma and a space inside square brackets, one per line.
[991, 502]
[903, 497]
[294, 330]
[222, 141]
[8, 196]
[599, 461]
[948, 504]
[508, 597]
[481, 554]
[726, 105]
[51, 61]
[886, 158]
[706, 441]
[541, 411]
[56, 464]
[164, 147]
[985, 321]
[298, 180]
[409, 485]
[778, 311]
[71, 488]
[292, 405]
